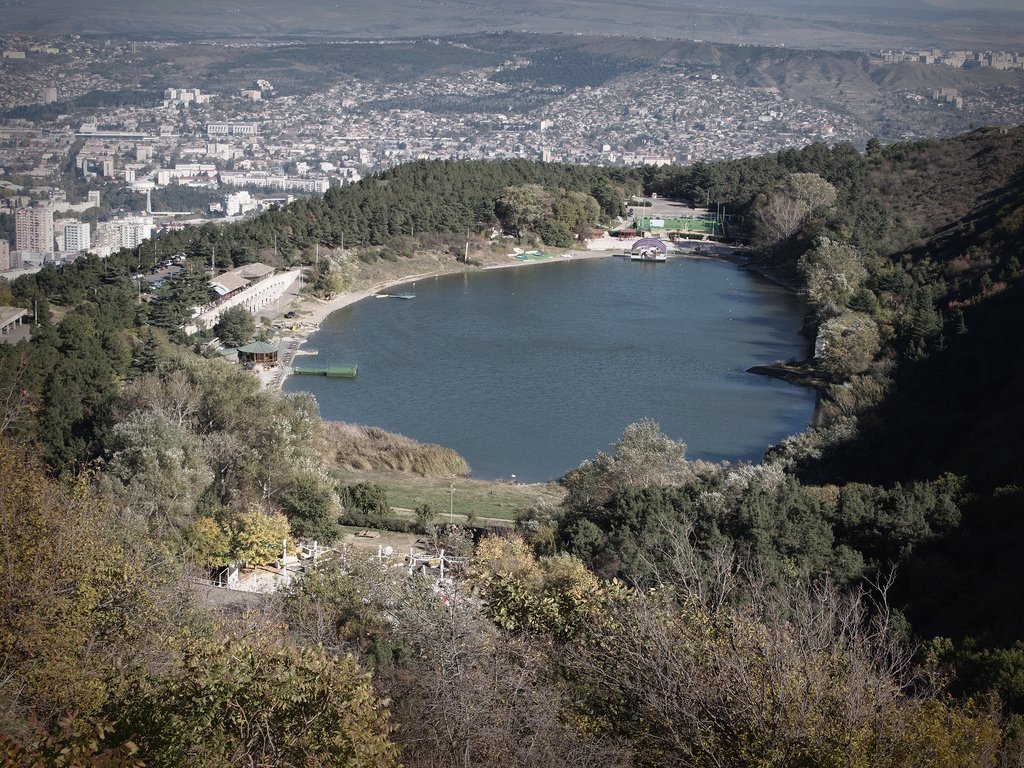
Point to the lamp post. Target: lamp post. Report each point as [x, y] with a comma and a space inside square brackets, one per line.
[451, 504]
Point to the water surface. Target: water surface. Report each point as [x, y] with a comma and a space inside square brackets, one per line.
[529, 371]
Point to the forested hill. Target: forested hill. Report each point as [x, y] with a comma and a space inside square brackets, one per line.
[456, 196]
[923, 235]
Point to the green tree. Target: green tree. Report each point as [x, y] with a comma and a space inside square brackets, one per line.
[425, 513]
[519, 209]
[147, 358]
[369, 499]
[312, 508]
[235, 326]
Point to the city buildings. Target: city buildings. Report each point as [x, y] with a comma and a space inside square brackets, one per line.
[122, 232]
[185, 96]
[207, 147]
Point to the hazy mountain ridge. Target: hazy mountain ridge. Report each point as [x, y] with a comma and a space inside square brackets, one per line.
[858, 25]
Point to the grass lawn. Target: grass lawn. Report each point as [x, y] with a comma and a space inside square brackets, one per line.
[488, 501]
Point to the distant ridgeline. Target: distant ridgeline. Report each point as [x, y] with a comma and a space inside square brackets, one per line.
[121, 445]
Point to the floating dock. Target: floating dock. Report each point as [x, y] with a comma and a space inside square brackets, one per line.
[331, 372]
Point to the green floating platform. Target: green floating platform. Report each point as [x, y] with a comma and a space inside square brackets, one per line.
[332, 372]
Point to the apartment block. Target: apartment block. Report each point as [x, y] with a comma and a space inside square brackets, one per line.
[33, 229]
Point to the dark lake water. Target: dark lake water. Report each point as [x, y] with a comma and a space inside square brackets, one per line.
[530, 371]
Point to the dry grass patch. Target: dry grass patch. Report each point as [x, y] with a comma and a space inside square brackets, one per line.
[370, 449]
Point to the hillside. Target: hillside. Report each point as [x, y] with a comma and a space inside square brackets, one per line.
[649, 611]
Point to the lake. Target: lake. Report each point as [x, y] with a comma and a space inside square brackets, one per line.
[529, 371]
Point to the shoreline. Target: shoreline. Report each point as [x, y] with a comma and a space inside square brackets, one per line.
[315, 311]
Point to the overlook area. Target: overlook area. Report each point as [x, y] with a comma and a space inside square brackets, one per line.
[203, 567]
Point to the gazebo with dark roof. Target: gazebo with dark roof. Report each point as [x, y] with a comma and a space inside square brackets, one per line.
[258, 352]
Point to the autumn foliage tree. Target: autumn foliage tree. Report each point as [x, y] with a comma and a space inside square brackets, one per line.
[246, 701]
[780, 213]
[78, 597]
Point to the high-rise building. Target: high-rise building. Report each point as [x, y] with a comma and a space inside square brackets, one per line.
[125, 232]
[77, 236]
[33, 229]
[49, 95]
[5, 256]
[93, 197]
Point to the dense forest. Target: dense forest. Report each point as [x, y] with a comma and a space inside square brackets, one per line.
[90, 100]
[854, 599]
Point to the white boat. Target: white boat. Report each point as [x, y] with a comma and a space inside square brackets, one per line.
[652, 254]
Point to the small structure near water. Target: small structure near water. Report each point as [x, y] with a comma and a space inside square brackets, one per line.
[258, 353]
[647, 244]
[331, 372]
[648, 249]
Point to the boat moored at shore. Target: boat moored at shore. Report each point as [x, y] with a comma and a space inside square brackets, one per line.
[653, 255]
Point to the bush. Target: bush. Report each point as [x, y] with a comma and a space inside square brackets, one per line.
[358, 519]
[365, 499]
[311, 509]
